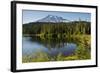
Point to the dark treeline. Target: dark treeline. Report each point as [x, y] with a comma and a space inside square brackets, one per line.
[68, 28]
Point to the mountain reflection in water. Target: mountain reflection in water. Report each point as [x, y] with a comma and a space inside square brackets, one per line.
[50, 46]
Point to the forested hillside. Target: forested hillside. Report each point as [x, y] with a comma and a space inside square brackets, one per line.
[56, 29]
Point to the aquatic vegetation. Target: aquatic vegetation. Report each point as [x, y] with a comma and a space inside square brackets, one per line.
[82, 52]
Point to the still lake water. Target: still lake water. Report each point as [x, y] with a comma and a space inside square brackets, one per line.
[53, 48]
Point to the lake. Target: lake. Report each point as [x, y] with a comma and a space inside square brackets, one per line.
[51, 47]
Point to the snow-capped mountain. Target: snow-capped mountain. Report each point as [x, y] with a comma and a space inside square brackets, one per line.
[53, 19]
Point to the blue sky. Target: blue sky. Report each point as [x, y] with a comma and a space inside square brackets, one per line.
[32, 15]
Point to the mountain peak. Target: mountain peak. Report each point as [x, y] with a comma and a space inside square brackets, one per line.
[52, 18]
